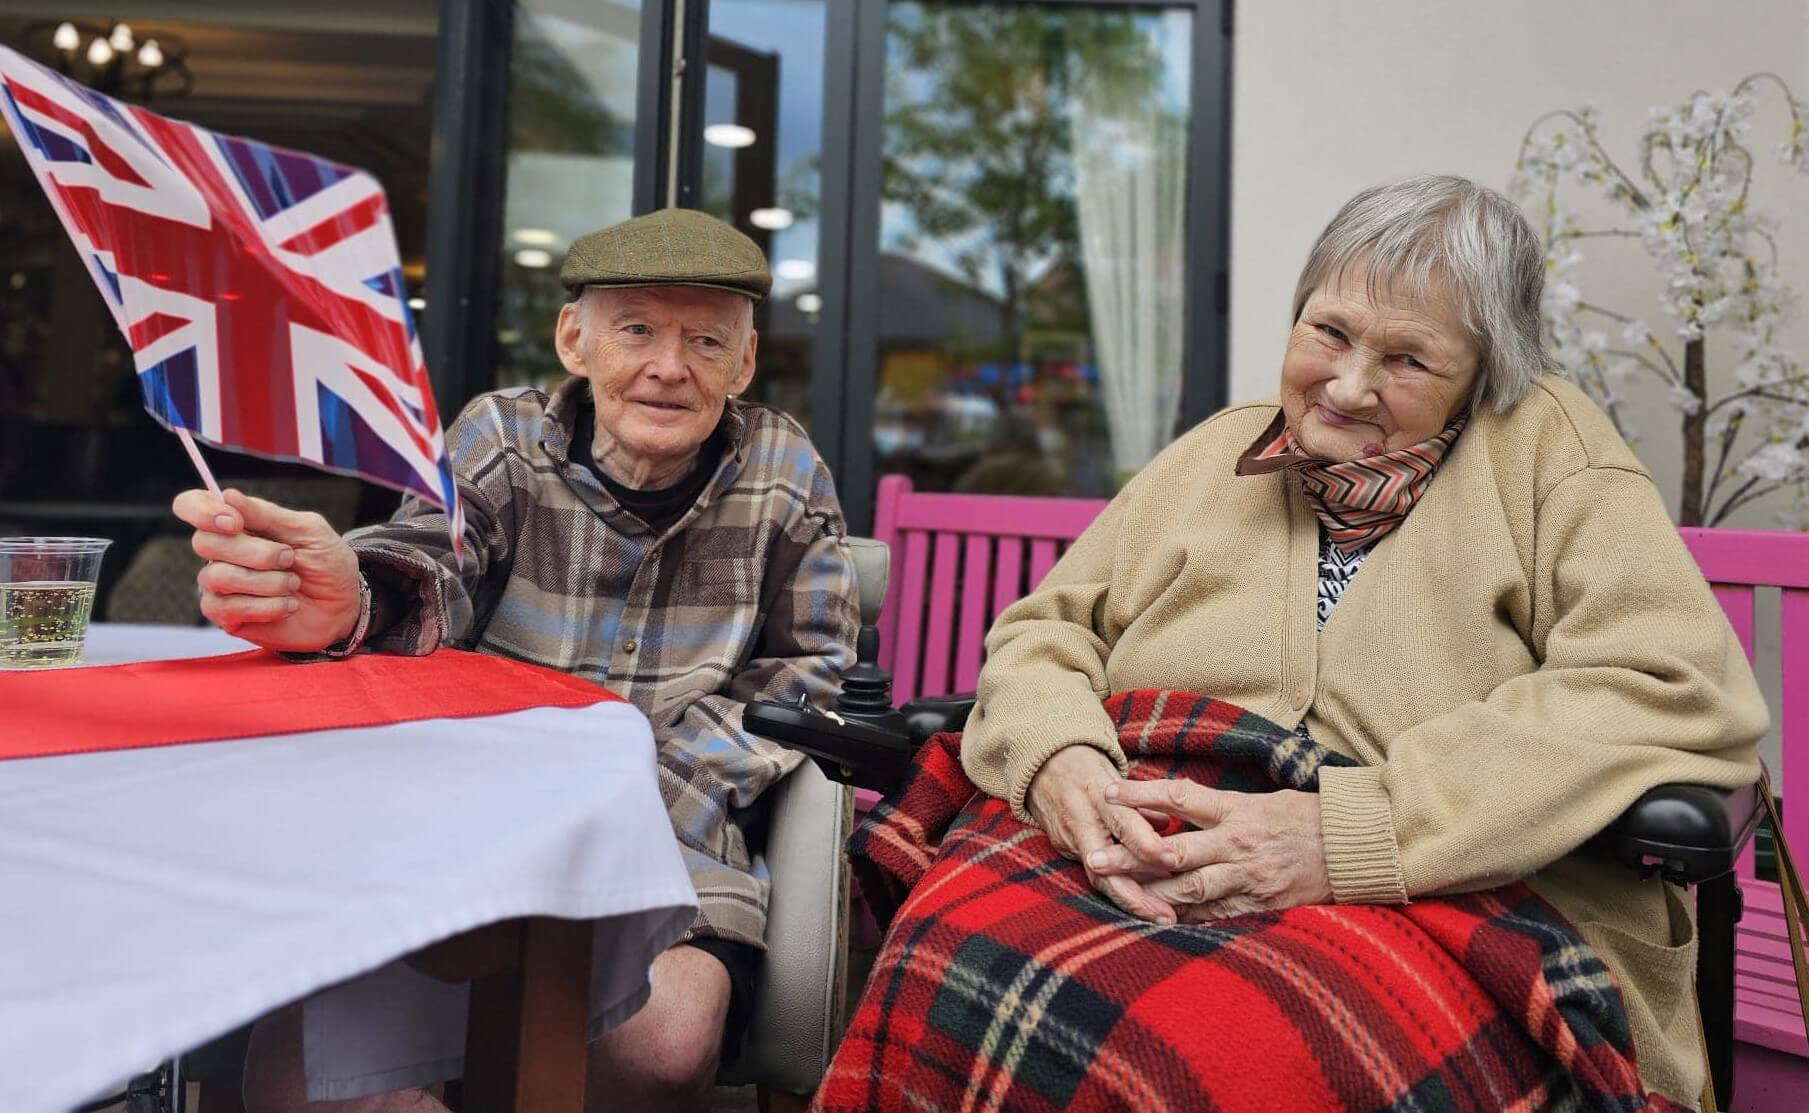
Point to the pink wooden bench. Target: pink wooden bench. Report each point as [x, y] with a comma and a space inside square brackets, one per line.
[1773, 1054]
[961, 559]
[933, 627]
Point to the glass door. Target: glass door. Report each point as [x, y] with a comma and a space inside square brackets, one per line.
[1023, 287]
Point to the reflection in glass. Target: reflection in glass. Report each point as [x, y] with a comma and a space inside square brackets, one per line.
[1032, 238]
[763, 128]
[571, 163]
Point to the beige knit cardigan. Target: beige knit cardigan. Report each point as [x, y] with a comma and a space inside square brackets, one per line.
[1529, 652]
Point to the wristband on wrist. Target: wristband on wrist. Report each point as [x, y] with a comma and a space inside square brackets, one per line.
[350, 644]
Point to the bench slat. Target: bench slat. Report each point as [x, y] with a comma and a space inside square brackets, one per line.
[910, 615]
[1736, 602]
[1042, 558]
[970, 643]
[1008, 579]
[999, 515]
[1748, 556]
[939, 624]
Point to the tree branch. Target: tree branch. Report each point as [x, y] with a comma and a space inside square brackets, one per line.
[1735, 501]
[1634, 193]
[1622, 232]
[1758, 392]
[1729, 433]
[1591, 307]
[1664, 377]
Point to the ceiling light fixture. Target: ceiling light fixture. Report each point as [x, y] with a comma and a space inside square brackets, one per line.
[796, 270]
[732, 136]
[111, 58]
[535, 237]
[534, 257]
[770, 219]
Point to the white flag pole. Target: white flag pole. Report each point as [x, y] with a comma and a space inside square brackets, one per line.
[194, 454]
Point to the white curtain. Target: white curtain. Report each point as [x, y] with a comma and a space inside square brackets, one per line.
[1130, 185]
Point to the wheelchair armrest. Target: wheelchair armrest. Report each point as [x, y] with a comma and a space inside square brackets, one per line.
[927, 715]
[863, 752]
[1688, 833]
[852, 751]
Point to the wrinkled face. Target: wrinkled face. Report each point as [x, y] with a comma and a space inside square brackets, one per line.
[660, 361]
[1367, 370]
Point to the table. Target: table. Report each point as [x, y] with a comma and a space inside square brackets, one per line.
[155, 898]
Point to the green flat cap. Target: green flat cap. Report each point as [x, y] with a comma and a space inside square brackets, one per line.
[671, 247]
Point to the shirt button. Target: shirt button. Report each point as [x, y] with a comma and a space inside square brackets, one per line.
[630, 646]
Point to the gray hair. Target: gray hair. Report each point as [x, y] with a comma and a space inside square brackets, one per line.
[1414, 235]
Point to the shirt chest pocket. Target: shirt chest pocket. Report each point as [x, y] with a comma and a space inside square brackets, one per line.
[719, 582]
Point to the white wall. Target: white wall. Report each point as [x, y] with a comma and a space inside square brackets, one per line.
[1332, 97]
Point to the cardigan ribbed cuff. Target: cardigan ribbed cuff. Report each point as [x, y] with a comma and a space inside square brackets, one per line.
[1037, 742]
[1362, 857]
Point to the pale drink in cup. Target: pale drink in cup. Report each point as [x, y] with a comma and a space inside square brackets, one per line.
[46, 596]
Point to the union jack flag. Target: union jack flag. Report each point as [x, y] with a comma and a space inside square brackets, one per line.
[260, 288]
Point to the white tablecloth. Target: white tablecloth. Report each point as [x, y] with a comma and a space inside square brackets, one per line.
[152, 899]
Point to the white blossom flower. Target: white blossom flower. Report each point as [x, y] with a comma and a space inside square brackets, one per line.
[1683, 399]
[1774, 462]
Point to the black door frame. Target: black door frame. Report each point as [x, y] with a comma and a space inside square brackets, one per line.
[465, 181]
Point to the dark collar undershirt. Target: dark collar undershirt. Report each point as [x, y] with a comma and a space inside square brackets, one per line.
[658, 508]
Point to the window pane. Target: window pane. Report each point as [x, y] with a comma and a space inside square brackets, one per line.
[1031, 245]
[764, 91]
[572, 75]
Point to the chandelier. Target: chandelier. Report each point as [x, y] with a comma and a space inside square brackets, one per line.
[110, 58]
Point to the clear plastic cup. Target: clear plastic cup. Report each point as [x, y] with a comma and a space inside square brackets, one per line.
[46, 596]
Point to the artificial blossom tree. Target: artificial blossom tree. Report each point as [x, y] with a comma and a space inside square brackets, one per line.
[1686, 201]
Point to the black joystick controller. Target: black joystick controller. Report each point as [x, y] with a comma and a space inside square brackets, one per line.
[867, 689]
[863, 741]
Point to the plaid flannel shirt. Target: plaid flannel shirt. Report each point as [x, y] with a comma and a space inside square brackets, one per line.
[750, 595]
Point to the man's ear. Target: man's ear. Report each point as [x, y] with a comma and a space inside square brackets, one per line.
[745, 373]
[568, 336]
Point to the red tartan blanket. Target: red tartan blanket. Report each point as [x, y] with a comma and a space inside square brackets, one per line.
[1006, 983]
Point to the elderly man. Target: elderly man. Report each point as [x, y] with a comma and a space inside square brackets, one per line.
[640, 527]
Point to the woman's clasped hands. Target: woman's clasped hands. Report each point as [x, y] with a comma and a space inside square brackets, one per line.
[1236, 853]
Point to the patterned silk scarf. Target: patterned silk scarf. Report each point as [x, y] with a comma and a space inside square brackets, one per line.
[1359, 502]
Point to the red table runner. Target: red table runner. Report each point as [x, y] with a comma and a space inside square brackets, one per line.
[243, 695]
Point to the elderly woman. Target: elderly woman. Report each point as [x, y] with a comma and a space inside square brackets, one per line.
[1431, 562]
